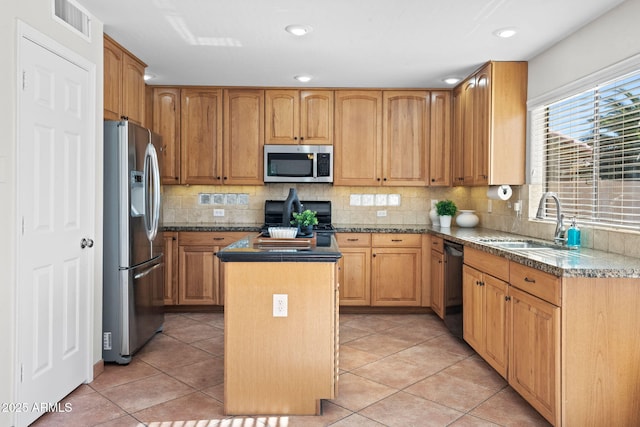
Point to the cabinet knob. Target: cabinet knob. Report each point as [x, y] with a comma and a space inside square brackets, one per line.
[374, 255]
[433, 180]
[384, 179]
[301, 138]
[295, 138]
[377, 179]
[507, 298]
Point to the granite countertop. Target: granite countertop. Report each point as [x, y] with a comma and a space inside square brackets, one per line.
[244, 251]
[210, 226]
[582, 262]
[562, 262]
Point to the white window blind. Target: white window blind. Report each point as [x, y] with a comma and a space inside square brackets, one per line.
[588, 146]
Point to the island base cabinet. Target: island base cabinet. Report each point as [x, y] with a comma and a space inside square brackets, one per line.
[534, 363]
[279, 365]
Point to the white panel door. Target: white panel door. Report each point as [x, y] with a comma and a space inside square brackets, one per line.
[56, 206]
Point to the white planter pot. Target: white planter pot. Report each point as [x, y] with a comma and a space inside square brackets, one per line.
[445, 221]
[467, 218]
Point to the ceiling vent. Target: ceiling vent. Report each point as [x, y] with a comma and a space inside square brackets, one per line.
[71, 14]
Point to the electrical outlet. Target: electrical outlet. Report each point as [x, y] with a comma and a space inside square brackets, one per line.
[381, 213]
[280, 305]
[218, 212]
[517, 206]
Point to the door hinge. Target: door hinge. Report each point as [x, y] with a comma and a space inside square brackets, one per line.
[21, 372]
[23, 226]
[24, 79]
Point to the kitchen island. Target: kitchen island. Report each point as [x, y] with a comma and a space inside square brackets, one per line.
[280, 328]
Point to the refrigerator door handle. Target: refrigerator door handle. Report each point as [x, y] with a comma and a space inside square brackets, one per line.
[152, 195]
[148, 270]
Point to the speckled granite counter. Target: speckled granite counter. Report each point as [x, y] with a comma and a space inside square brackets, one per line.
[243, 251]
[210, 226]
[561, 262]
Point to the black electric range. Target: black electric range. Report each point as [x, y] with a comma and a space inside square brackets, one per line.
[324, 229]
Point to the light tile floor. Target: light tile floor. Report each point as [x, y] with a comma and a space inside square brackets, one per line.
[396, 370]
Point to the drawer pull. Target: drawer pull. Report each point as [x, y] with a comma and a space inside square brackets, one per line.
[526, 279]
[352, 240]
[218, 238]
[396, 240]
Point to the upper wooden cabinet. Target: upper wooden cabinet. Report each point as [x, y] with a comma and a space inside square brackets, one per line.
[124, 88]
[166, 123]
[440, 139]
[405, 138]
[243, 151]
[490, 124]
[382, 138]
[357, 144]
[299, 117]
[201, 136]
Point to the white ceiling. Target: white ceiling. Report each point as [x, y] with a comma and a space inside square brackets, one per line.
[354, 43]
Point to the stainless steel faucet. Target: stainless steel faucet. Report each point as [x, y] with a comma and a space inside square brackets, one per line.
[558, 236]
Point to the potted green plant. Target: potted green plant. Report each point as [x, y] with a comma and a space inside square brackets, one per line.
[446, 210]
[305, 221]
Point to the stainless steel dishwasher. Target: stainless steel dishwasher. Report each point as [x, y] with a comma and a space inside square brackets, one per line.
[453, 259]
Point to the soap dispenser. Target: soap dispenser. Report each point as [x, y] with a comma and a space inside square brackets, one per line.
[573, 235]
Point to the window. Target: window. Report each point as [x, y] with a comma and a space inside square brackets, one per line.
[588, 148]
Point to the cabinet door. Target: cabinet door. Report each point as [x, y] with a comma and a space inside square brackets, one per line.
[166, 123]
[199, 275]
[472, 308]
[133, 89]
[482, 123]
[112, 80]
[316, 117]
[358, 138]
[437, 283]
[243, 149]
[405, 156]
[534, 354]
[396, 276]
[457, 142]
[468, 131]
[495, 321]
[201, 136]
[282, 111]
[170, 268]
[440, 139]
[355, 276]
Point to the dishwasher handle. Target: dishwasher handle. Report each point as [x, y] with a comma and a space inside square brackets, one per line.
[453, 249]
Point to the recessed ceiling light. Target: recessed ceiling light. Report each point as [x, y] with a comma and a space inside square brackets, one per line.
[451, 80]
[505, 33]
[303, 78]
[298, 30]
[148, 76]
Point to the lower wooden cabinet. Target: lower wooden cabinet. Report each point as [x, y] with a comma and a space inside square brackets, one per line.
[485, 309]
[354, 274]
[534, 365]
[199, 278]
[380, 269]
[396, 269]
[437, 276]
[170, 267]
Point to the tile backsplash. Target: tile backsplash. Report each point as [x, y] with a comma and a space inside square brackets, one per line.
[197, 204]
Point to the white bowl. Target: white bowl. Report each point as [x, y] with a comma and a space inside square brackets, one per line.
[283, 232]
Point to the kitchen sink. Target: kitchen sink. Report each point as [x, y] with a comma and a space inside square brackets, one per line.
[519, 244]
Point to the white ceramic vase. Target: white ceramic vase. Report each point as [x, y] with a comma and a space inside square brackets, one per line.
[467, 218]
[445, 221]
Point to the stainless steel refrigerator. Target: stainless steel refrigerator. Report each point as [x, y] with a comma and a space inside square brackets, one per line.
[133, 265]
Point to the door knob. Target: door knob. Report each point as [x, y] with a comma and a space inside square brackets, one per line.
[86, 243]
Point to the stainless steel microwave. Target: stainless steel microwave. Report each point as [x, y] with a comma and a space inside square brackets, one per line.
[298, 163]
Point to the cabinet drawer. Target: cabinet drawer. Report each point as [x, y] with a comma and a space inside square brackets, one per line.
[487, 263]
[209, 238]
[538, 283]
[437, 244]
[354, 240]
[396, 240]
